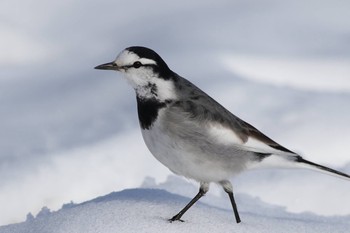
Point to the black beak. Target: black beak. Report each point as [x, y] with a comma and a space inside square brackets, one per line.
[107, 66]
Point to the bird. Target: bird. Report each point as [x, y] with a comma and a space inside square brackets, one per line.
[192, 134]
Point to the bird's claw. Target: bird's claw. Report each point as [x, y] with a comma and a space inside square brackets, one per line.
[175, 218]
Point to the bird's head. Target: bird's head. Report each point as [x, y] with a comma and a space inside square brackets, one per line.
[146, 71]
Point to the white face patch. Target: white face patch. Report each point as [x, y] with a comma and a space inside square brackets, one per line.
[141, 80]
[166, 89]
[127, 58]
[145, 82]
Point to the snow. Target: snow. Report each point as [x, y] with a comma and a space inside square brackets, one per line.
[148, 210]
[70, 133]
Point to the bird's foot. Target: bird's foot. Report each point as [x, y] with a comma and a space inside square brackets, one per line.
[176, 218]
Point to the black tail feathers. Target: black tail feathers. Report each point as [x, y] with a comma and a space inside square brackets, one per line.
[321, 168]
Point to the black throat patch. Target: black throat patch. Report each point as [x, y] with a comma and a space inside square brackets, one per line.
[148, 111]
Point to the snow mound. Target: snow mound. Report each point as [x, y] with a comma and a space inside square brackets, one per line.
[148, 210]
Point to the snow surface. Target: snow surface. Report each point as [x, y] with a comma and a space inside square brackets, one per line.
[69, 132]
[148, 210]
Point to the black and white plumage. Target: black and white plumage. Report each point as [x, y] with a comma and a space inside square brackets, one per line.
[192, 134]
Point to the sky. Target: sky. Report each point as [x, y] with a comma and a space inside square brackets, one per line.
[69, 131]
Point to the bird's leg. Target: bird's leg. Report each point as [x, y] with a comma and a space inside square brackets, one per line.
[229, 190]
[204, 187]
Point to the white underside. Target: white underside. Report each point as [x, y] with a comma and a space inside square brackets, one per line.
[181, 160]
[184, 157]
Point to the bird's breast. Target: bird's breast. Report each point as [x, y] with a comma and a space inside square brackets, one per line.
[148, 110]
[184, 153]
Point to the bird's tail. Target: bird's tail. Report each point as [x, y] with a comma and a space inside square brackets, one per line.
[317, 167]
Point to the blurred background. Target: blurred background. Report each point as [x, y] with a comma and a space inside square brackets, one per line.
[70, 133]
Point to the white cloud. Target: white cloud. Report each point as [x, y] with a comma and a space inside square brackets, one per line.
[321, 74]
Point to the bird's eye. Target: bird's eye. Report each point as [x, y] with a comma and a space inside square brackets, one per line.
[137, 64]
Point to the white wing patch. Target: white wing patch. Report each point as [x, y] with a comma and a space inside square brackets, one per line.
[258, 146]
[223, 135]
[273, 161]
[226, 136]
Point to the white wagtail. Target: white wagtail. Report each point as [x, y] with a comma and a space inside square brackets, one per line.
[192, 134]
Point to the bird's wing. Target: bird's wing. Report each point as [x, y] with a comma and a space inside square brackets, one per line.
[203, 114]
